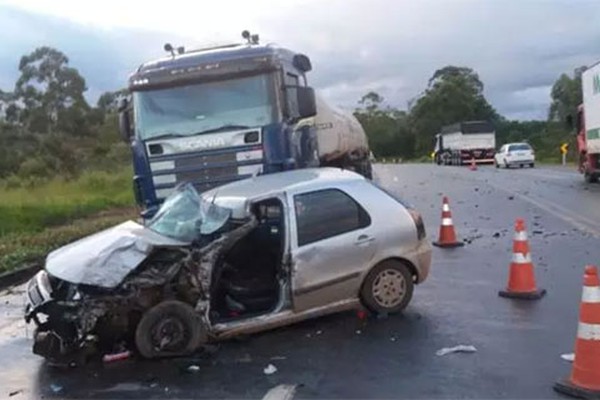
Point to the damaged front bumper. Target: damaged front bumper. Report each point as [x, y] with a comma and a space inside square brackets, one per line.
[57, 336]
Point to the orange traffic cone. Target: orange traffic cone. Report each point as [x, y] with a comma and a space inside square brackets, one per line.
[521, 281]
[447, 236]
[473, 166]
[584, 381]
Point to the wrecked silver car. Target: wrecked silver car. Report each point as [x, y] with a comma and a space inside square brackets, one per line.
[246, 257]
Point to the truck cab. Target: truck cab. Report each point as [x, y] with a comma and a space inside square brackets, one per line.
[217, 115]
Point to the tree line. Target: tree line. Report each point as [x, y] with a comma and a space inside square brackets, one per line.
[47, 127]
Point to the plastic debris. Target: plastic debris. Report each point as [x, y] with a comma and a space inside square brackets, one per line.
[275, 358]
[461, 348]
[358, 332]
[281, 392]
[270, 370]
[16, 392]
[318, 332]
[55, 388]
[107, 358]
[193, 368]
[570, 357]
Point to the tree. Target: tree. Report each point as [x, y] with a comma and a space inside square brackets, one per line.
[453, 94]
[566, 96]
[386, 128]
[108, 102]
[51, 93]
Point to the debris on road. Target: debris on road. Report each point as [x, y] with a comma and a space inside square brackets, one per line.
[511, 197]
[108, 358]
[281, 392]
[358, 332]
[275, 358]
[193, 368]
[56, 388]
[461, 348]
[16, 392]
[570, 357]
[496, 235]
[270, 369]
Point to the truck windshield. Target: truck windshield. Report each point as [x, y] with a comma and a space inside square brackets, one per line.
[194, 109]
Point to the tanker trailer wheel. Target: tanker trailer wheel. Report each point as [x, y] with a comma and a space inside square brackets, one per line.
[171, 328]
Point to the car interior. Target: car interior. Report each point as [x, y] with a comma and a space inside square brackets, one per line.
[247, 284]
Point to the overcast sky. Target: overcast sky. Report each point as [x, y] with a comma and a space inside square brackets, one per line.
[518, 47]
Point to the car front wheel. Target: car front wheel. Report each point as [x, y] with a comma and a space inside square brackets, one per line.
[388, 287]
[171, 328]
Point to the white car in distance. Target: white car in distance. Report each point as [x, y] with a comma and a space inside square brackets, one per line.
[513, 154]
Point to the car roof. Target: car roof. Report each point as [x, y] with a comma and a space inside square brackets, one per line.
[236, 194]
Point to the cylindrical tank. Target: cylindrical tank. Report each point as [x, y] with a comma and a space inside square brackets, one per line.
[338, 133]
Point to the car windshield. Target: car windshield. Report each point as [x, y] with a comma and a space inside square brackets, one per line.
[193, 109]
[185, 216]
[519, 147]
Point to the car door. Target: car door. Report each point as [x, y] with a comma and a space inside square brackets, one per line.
[499, 154]
[332, 243]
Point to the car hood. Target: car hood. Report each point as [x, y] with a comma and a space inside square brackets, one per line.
[104, 259]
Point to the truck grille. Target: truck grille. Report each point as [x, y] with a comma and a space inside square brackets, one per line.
[204, 170]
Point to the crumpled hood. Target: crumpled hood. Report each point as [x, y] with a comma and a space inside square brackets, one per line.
[105, 258]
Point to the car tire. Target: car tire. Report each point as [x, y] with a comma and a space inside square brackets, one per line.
[506, 166]
[496, 164]
[388, 287]
[174, 318]
[521, 165]
[532, 165]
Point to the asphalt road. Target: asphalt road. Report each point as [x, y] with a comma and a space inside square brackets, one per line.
[518, 343]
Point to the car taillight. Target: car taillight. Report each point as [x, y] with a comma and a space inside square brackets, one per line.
[418, 220]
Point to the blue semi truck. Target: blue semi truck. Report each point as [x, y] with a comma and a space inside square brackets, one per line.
[220, 114]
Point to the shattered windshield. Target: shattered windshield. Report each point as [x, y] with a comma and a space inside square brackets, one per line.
[185, 216]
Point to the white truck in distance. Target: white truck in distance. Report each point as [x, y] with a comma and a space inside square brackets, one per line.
[588, 124]
[461, 143]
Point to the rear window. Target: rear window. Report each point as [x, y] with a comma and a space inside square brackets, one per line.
[519, 147]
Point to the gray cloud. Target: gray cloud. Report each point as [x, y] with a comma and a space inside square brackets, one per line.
[518, 48]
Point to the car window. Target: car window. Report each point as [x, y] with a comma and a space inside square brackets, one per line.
[327, 213]
[519, 147]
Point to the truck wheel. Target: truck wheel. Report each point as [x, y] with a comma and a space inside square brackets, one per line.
[388, 287]
[590, 178]
[171, 328]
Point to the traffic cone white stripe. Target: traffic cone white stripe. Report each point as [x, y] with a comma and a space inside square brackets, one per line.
[446, 221]
[445, 207]
[591, 294]
[520, 258]
[520, 236]
[588, 331]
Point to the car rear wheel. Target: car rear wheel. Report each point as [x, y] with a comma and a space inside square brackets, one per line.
[388, 287]
[532, 165]
[171, 328]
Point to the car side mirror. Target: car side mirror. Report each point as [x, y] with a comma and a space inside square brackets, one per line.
[307, 103]
[125, 120]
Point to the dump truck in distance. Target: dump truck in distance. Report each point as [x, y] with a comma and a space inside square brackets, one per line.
[464, 142]
[588, 125]
[216, 115]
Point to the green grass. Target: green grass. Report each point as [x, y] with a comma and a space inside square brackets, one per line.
[39, 216]
[30, 206]
[17, 249]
